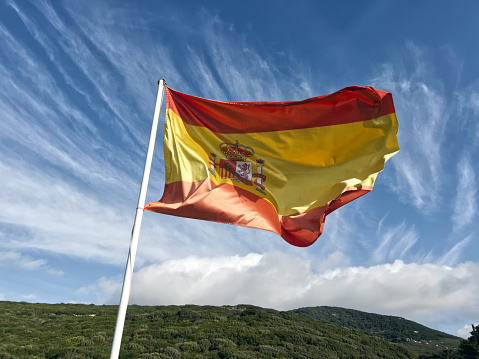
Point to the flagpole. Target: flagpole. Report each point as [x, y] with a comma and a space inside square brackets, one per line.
[135, 232]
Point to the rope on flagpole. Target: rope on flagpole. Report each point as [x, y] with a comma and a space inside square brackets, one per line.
[135, 232]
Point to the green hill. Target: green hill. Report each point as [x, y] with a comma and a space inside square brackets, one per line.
[412, 336]
[85, 331]
[75, 331]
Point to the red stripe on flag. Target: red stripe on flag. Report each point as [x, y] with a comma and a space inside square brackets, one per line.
[351, 104]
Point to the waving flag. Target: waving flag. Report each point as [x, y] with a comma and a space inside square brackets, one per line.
[277, 166]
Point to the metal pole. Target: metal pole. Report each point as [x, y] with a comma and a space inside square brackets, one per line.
[135, 232]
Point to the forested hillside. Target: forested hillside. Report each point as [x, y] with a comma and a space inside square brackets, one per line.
[411, 335]
[75, 331]
[85, 331]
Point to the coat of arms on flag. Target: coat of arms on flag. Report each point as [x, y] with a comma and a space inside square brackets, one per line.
[238, 166]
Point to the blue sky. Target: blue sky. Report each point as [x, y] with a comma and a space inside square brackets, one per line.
[78, 86]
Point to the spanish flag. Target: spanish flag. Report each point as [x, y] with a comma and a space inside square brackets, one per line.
[278, 166]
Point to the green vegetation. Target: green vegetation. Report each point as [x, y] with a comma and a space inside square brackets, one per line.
[75, 331]
[412, 336]
[468, 349]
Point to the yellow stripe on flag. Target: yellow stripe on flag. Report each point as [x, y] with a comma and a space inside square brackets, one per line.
[304, 168]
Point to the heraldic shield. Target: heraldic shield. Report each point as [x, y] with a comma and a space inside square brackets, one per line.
[237, 165]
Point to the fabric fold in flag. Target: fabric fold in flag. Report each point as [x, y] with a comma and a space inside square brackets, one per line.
[277, 166]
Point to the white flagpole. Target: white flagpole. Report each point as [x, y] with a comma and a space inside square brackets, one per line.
[135, 232]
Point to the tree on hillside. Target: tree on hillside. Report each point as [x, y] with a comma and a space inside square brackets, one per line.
[469, 349]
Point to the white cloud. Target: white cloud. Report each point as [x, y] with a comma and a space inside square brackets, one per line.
[465, 332]
[14, 259]
[29, 297]
[334, 260]
[428, 293]
[103, 291]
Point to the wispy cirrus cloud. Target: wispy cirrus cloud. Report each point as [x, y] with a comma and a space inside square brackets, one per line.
[468, 110]
[465, 203]
[58, 217]
[242, 77]
[84, 55]
[46, 127]
[129, 54]
[225, 67]
[423, 114]
[453, 255]
[60, 164]
[394, 242]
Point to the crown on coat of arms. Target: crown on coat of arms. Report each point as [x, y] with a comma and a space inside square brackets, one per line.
[236, 151]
